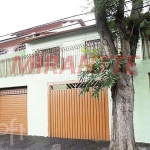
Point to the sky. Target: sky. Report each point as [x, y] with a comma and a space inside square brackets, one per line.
[17, 15]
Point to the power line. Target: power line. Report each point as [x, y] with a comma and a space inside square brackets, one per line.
[68, 25]
[51, 22]
[52, 29]
[68, 18]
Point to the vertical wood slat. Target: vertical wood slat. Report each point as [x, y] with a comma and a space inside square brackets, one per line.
[52, 113]
[98, 120]
[56, 111]
[95, 119]
[92, 118]
[80, 102]
[107, 115]
[75, 114]
[61, 115]
[77, 117]
[89, 124]
[103, 116]
[86, 116]
[65, 114]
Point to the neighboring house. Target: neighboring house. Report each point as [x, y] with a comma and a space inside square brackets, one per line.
[39, 87]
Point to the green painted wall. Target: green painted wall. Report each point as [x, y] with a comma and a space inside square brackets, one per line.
[142, 102]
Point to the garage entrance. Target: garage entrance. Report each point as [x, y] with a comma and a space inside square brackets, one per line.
[78, 117]
[13, 111]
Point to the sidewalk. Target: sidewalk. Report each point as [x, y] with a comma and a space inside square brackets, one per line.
[15, 142]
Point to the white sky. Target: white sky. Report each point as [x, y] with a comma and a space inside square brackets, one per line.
[17, 15]
[22, 14]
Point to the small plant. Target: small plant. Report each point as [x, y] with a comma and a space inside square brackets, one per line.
[98, 74]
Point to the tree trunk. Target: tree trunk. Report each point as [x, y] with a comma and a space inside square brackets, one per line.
[122, 136]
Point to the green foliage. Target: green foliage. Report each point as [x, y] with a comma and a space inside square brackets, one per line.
[113, 16]
[110, 6]
[94, 53]
[113, 28]
[112, 10]
[100, 77]
[145, 27]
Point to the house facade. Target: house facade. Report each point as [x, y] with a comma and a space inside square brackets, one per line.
[39, 86]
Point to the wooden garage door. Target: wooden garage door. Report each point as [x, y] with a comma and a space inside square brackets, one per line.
[79, 117]
[13, 111]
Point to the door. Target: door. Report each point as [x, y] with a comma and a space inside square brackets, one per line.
[13, 111]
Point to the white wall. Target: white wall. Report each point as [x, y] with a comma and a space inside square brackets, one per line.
[64, 40]
[37, 100]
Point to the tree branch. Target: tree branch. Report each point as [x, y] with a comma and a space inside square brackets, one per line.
[104, 31]
[120, 16]
[137, 6]
[145, 16]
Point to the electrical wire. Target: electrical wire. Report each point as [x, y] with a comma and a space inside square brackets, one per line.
[67, 18]
[49, 23]
[47, 30]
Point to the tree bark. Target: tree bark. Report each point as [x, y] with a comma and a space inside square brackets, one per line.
[122, 136]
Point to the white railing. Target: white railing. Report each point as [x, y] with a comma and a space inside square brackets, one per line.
[43, 61]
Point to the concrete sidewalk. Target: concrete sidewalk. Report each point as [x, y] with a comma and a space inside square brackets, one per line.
[14, 142]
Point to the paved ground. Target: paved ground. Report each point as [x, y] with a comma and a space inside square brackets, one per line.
[14, 142]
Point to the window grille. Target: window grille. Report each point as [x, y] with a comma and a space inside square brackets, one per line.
[73, 85]
[43, 57]
[13, 90]
[3, 51]
[20, 47]
[95, 45]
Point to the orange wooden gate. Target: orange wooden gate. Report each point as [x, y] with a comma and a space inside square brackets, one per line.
[78, 117]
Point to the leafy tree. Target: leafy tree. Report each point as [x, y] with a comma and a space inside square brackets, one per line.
[115, 21]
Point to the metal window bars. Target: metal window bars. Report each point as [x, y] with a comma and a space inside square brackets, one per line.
[42, 60]
[11, 49]
[95, 45]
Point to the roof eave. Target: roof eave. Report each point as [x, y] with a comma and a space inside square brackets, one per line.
[58, 33]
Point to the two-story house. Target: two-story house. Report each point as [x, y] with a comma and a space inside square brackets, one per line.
[39, 87]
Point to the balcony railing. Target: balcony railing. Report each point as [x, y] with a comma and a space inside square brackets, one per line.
[42, 61]
[12, 49]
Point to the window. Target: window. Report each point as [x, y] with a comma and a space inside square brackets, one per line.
[12, 49]
[3, 51]
[95, 45]
[20, 47]
[43, 57]
[146, 47]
